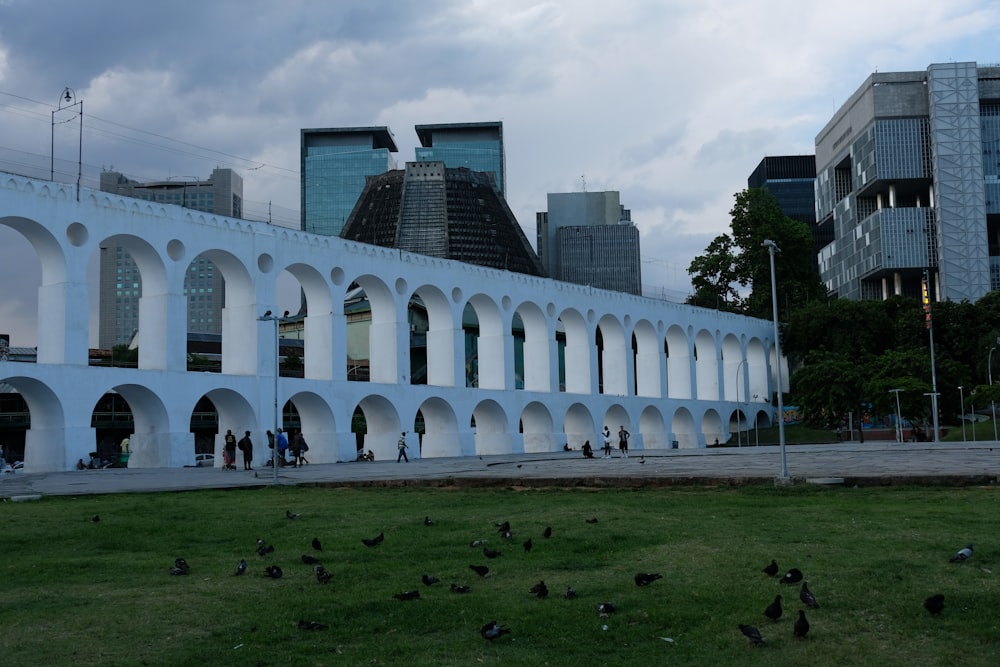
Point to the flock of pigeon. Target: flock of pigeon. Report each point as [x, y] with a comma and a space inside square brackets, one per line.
[800, 629]
[493, 630]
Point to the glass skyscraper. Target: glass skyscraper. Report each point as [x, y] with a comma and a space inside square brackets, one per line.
[475, 146]
[334, 165]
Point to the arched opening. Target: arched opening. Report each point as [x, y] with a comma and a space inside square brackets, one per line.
[488, 356]
[377, 426]
[652, 429]
[440, 429]
[678, 351]
[538, 428]
[647, 360]
[489, 423]
[578, 426]
[707, 367]
[684, 429]
[575, 363]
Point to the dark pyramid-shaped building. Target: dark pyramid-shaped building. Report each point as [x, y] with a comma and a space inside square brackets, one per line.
[433, 210]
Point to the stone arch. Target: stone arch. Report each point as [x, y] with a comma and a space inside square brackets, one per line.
[443, 338]
[492, 435]
[577, 352]
[441, 434]
[578, 426]
[678, 351]
[684, 429]
[537, 348]
[319, 429]
[153, 442]
[706, 367]
[712, 427]
[235, 413]
[384, 426]
[734, 369]
[538, 428]
[491, 342]
[614, 355]
[383, 349]
[647, 360]
[757, 371]
[318, 324]
[48, 446]
[653, 429]
[239, 316]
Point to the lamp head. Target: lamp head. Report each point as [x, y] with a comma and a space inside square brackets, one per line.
[67, 95]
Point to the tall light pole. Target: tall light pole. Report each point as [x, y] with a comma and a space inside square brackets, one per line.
[961, 400]
[899, 416]
[67, 100]
[268, 317]
[772, 248]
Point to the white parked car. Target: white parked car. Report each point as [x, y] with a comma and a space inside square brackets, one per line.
[204, 460]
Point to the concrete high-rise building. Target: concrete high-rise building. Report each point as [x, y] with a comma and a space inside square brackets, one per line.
[120, 282]
[791, 180]
[334, 165]
[908, 180]
[588, 238]
[475, 146]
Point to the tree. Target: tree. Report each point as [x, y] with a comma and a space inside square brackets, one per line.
[713, 277]
[827, 387]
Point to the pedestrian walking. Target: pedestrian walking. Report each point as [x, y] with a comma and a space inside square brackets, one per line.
[401, 446]
[282, 441]
[301, 447]
[246, 446]
[623, 436]
[607, 442]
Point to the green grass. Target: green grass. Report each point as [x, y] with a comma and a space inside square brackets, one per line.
[84, 593]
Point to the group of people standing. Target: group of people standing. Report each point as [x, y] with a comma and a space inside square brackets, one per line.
[623, 436]
[298, 449]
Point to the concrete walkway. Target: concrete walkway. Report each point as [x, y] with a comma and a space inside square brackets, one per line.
[877, 462]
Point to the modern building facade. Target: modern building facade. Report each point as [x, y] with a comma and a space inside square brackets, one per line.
[588, 238]
[474, 146]
[431, 209]
[908, 181]
[334, 165]
[791, 180]
[120, 281]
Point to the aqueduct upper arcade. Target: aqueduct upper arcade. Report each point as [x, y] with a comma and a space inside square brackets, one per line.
[667, 372]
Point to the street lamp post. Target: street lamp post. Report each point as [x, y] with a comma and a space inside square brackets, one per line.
[899, 416]
[961, 400]
[772, 247]
[69, 98]
[268, 317]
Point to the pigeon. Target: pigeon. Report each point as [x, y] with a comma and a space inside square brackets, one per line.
[429, 580]
[527, 544]
[455, 588]
[375, 541]
[771, 569]
[493, 630]
[503, 527]
[407, 595]
[427, 521]
[801, 627]
[752, 634]
[95, 518]
[540, 590]
[310, 560]
[477, 543]
[642, 460]
[241, 567]
[645, 578]
[291, 515]
[962, 554]
[592, 520]
[265, 549]
[793, 576]
[605, 609]
[273, 571]
[178, 571]
[807, 597]
[323, 575]
[312, 625]
[316, 544]
[507, 536]
[934, 604]
[481, 570]
[547, 533]
[490, 553]
[570, 593]
[773, 610]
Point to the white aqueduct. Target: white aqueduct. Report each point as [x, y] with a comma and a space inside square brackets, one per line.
[670, 373]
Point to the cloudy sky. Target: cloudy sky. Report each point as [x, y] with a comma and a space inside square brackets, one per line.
[671, 102]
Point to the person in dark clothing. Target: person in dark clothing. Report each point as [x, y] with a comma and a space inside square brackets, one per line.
[229, 451]
[623, 436]
[246, 446]
[588, 451]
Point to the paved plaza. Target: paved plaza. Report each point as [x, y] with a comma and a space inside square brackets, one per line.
[876, 462]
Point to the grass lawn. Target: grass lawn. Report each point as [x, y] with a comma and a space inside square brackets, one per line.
[79, 592]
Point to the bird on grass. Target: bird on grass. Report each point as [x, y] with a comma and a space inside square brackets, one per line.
[323, 575]
[264, 549]
[481, 570]
[547, 533]
[934, 604]
[312, 625]
[592, 520]
[316, 544]
[407, 595]
[527, 544]
[506, 536]
[95, 518]
[605, 609]
[807, 597]
[752, 634]
[310, 560]
[493, 630]
[793, 576]
[771, 569]
[801, 627]
[490, 553]
[503, 527]
[539, 590]
[241, 567]
[427, 521]
[273, 571]
[178, 571]
[291, 515]
[475, 544]
[429, 579]
[455, 588]
[962, 555]
[646, 578]
[375, 541]
[773, 610]
[570, 593]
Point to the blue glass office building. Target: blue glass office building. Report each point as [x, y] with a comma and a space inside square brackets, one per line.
[475, 146]
[908, 181]
[334, 165]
